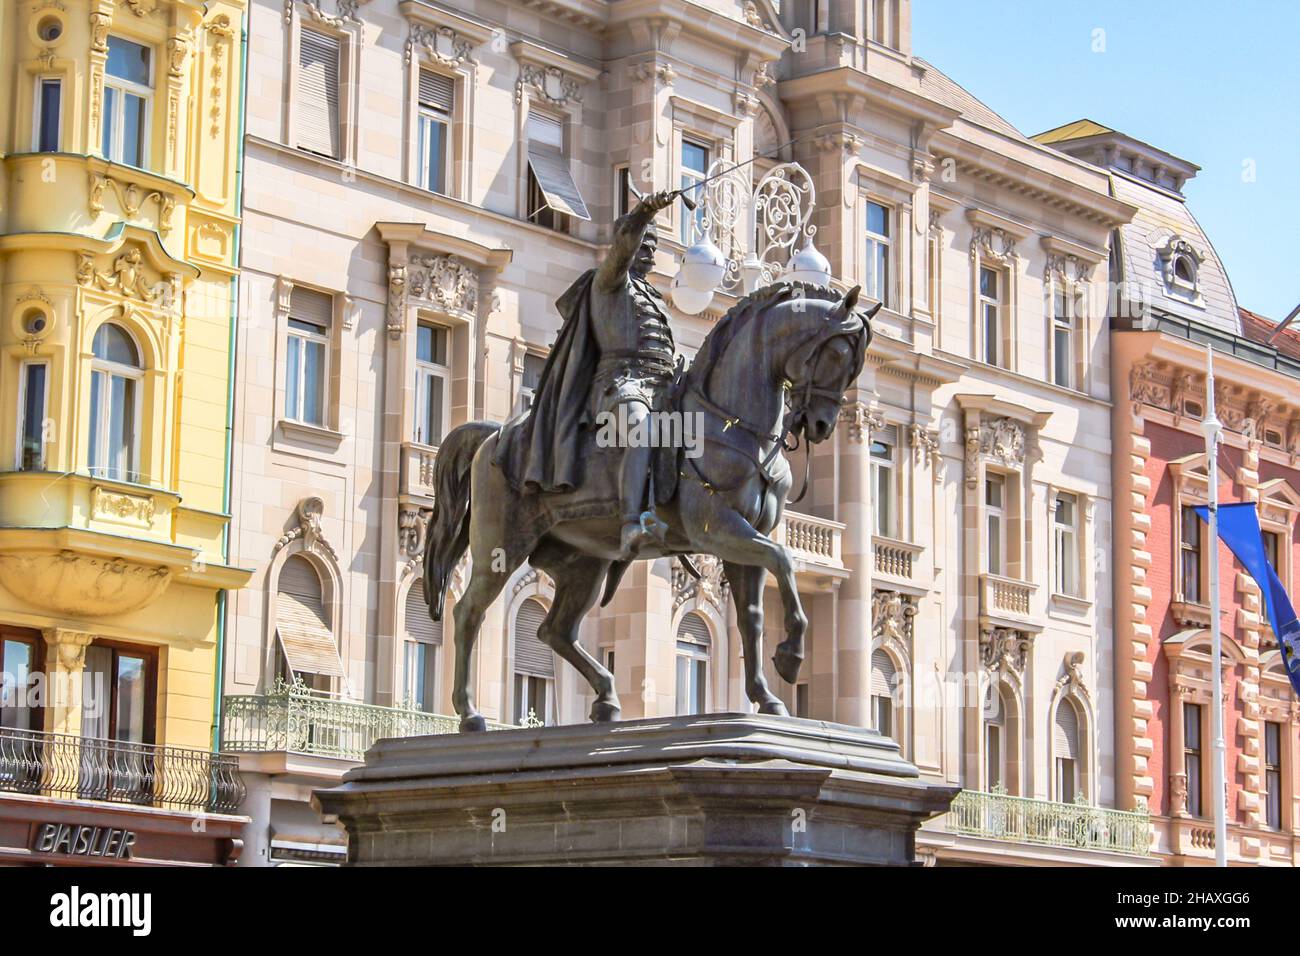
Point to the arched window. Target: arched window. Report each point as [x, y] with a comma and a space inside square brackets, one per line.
[1065, 736]
[115, 405]
[423, 640]
[883, 680]
[534, 665]
[693, 643]
[302, 622]
[1002, 735]
[1185, 270]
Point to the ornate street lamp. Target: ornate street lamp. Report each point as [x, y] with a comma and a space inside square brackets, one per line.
[746, 237]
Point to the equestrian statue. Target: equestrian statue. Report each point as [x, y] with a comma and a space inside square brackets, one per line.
[548, 487]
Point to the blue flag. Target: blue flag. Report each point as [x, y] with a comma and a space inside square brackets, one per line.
[1239, 530]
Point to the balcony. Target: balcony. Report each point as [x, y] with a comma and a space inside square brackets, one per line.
[114, 771]
[1074, 826]
[896, 563]
[417, 473]
[1006, 602]
[294, 720]
[814, 543]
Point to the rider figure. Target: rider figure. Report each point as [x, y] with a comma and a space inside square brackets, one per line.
[635, 369]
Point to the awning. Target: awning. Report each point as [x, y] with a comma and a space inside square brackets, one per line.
[556, 182]
[308, 644]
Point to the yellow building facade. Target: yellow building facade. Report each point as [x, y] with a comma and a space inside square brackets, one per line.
[119, 228]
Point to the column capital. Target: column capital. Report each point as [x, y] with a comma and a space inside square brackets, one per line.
[66, 648]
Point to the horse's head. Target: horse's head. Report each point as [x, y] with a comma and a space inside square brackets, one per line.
[825, 366]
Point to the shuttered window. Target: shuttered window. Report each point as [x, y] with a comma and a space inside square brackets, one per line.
[436, 95]
[693, 640]
[302, 621]
[307, 355]
[551, 188]
[531, 655]
[436, 91]
[423, 636]
[882, 692]
[318, 94]
[1067, 731]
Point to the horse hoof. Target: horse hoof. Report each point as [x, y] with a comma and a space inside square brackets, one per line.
[787, 663]
[773, 707]
[473, 724]
[605, 712]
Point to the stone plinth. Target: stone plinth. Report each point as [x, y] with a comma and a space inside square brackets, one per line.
[707, 789]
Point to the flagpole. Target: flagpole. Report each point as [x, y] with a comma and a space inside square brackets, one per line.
[1212, 428]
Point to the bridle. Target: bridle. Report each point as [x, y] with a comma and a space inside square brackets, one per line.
[807, 390]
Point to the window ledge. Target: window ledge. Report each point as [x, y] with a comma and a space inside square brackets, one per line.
[1190, 613]
[314, 434]
[1070, 602]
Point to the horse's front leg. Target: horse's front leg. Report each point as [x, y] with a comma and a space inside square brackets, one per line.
[746, 581]
[734, 539]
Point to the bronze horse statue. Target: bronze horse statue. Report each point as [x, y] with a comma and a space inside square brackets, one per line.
[777, 365]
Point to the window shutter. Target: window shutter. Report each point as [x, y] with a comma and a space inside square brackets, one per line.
[419, 626]
[882, 674]
[695, 629]
[531, 655]
[308, 305]
[544, 130]
[1067, 731]
[436, 91]
[302, 622]
[551, 167]
[318, 93]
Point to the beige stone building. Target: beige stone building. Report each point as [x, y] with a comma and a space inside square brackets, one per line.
[423, 180]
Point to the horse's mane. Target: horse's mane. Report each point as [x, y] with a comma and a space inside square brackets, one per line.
[739, 316]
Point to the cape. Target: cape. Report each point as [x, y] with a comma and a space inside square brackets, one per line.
[539, 450]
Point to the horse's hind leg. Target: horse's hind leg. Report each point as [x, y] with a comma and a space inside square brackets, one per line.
[746, 583]
[485, 583]
[578, 579]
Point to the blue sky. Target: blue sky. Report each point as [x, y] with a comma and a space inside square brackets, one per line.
[1212, 82]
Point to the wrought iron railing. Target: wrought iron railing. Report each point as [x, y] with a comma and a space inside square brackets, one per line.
[1078, 825]
[115, 771]
[296, 720]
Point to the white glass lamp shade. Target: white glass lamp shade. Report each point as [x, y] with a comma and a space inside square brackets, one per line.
[809, 267]
[688, 300]
[703, 267]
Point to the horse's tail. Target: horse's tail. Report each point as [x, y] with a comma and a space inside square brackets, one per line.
[448, 534]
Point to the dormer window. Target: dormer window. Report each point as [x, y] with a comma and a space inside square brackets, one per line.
[1185, 271]
[1181, 265]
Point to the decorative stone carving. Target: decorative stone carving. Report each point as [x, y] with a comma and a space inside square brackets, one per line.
[1072, 681]
[308, 528]
[222, 32]
[532, 577]
[549, 82]
[925, 445]
[1003, 440]
[131, 197]
[141, 8]
[66, 648]
[1178, 794]
[127, 277]
[1003, 650]
[711, 587]
[440, 44]
[445, 281]
[66, 582]
[972, 449]
[396, 320]
[1257, 413]
[891, 618]
[860, 420]
[996, 244]
[412, 525]
[347, 12]
[663, 73]
[1066, 268]
[120, 506]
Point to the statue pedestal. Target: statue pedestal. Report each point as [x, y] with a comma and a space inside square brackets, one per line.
[706, 789]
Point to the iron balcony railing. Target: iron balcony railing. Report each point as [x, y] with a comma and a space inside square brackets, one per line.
[1078, 825]
[115, 771]
[296, 720]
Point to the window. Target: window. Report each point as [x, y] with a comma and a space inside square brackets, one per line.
[118, 692]
[1272, 548]
[878, 243]
[882, 480]
[307, 358]
[1192, 756]
[32, 399]
[883, 679]
[423, 639]
[1062, 340]
[623, 191]
[994, 740]
[437, 94]
[432, 384]
[532, 378]
[1273, 775]
[1066, 537]
[128, 82]
[1185, 271]
[49, 96]
[1190, 548]
[802, 707]
[534, 678]
[995, 516]
[114, 405]
[552, 195]
[607, 658]
[695, 166]
[302, 623]
[1066, 746]
[693, 640]
[317, 103]
[20, 664]
[990, 306]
